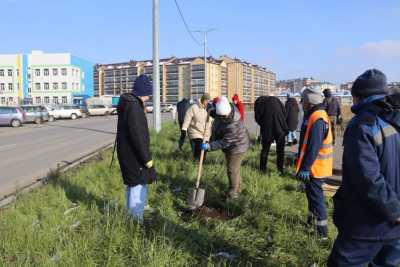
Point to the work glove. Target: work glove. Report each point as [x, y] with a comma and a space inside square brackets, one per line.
[205, 146]
[182, 139]
[149, 164]
[304, 176]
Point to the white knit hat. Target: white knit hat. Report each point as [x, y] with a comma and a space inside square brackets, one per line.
[223, 107]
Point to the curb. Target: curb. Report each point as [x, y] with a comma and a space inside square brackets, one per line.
[11, 197]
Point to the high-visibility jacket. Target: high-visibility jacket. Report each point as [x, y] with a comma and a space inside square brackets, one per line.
[323, 165]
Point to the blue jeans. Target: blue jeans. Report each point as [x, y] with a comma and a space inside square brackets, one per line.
[136, 198]
[291, 136]
[357, 253]
[316, 205]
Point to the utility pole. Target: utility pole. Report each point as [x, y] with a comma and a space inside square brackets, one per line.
[156, 68]
[205, 57]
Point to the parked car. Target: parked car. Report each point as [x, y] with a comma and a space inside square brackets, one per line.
[84, 110]
[149, 107]
[113, 109]
[167, 107]
[66, 112]
[12, 116]
[98, 110]
[36, 114]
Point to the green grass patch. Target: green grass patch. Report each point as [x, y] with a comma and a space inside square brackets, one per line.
[78, 218]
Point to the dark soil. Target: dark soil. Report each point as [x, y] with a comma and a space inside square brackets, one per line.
[207, 213]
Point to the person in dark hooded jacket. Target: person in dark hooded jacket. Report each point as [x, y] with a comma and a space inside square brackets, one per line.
[367, 204]
[182, 106]
[270, 115]
[133, 146]
[230, 135]
[292, 118]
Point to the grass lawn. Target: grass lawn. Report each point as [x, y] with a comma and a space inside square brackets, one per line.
[78, 218]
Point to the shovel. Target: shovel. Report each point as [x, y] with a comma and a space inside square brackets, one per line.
[196, 195]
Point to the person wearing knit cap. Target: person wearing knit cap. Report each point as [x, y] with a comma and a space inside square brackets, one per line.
[315, 157]
[133, 146]
[367, 204]
[332, 106]
[230, 135]
[197, 120]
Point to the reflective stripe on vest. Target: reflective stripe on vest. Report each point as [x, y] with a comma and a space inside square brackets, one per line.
[323, 165]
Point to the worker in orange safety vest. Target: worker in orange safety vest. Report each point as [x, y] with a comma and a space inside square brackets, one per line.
[315, 158]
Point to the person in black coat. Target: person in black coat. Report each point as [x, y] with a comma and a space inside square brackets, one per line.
[182, 106]
[332, 106]
[133, 146]
[292, 118]
[270, 115]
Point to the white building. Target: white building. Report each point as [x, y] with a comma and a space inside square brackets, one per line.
[41, 78]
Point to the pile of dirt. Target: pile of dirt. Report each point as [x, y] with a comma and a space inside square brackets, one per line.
[207, 213]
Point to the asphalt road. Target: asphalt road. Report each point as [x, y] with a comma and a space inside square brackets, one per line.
[28, 153]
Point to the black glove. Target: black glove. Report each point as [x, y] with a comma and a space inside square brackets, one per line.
[182, 139]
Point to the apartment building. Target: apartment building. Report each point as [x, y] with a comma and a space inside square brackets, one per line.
[185, 77]
[42, 78]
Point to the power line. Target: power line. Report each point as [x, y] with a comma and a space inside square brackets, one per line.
[184, 23]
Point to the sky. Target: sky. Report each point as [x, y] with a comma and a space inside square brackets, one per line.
[328, 40]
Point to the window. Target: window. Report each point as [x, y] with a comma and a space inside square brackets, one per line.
[29, 89]
[64, 71]
[10, 87]
[38, 100]
[64, 85]
[55, 86]
[55, 72]
[55, 99]
[10, 72]
[17, 72]
[1, 72]
[10, 100]
[46, 72]
[3, 100]
[37, 72]
[47, 100]
[2, 87]
[37, 86]
[64, 100]
[46, 86]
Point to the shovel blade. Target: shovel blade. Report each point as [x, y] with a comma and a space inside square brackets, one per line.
[196, 198]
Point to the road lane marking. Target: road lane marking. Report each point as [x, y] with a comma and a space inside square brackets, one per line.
[4, 148]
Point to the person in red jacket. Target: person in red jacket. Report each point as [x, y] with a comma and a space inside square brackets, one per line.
[239, 105]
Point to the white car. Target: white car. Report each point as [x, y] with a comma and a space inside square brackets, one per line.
[65, 112]
[98, 110]
[149, 108]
